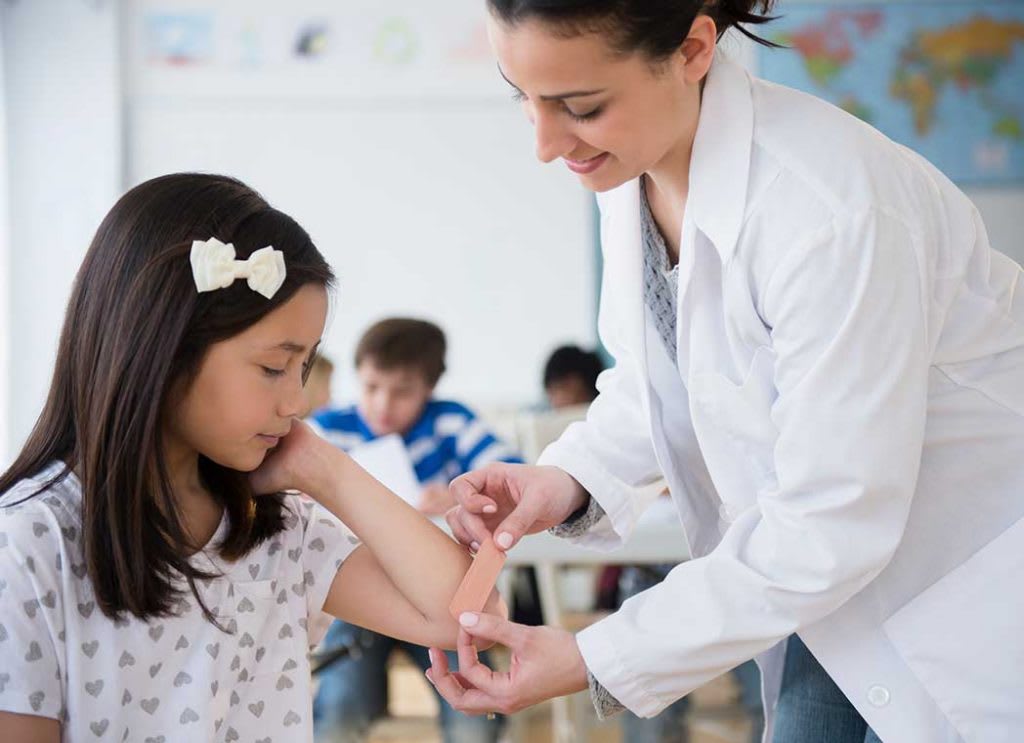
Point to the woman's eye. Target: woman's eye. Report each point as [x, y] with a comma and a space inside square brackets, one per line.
[518, 96]
[271, 372]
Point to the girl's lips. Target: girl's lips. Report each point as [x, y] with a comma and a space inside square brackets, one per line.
[582, 167]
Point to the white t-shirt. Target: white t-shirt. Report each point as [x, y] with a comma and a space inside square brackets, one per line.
[166, 680]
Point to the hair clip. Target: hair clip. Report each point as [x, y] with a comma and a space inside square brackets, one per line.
[214, 267]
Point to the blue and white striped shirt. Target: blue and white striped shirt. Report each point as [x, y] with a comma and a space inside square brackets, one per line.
[448, 440]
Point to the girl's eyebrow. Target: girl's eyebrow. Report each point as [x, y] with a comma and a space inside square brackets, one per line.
[556, 96]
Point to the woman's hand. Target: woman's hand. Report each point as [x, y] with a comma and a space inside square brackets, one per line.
[546, 663]
[510, 501]
[300, 461]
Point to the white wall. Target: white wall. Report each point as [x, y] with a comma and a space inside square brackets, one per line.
[511, 238]
[60, 61]
[418, 183]
[5, 358]
[1002, 209]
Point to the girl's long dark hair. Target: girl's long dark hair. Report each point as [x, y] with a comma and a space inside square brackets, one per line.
[656, 28]
[135, 328]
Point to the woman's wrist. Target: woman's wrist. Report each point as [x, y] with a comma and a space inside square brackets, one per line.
[579, 499]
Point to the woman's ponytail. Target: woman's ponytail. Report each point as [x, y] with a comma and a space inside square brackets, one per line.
[740, 13]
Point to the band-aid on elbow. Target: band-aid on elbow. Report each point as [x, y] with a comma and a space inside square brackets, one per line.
[479, 581]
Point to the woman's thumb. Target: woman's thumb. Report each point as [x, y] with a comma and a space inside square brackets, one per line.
[515, 525]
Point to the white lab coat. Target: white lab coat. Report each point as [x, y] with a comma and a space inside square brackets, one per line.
[842, 431]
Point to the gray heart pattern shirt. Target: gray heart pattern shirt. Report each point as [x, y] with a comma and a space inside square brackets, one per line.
[164, 680]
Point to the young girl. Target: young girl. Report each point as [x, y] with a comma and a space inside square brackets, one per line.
[149, 593]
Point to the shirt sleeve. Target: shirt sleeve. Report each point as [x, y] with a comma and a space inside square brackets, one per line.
[326, 543]
[31, 624]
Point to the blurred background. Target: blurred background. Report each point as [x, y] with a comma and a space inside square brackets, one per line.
[383, 127]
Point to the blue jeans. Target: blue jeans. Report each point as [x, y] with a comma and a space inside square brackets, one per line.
[811, 707]
[669, 726]
[353, 692]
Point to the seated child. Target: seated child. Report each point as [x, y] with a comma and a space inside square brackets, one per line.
[159, 581]
[570, 377]
[399, 362]
[318, 386]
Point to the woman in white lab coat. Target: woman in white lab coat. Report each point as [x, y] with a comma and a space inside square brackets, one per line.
[818, 350]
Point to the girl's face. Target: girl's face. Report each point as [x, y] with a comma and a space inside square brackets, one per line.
[610, 117]
[249, 387]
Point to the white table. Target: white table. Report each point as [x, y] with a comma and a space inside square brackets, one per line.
[657, 538]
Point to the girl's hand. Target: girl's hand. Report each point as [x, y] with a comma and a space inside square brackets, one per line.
[546, 663]
[301, 461]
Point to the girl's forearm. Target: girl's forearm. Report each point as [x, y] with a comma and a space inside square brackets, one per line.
[423, 562]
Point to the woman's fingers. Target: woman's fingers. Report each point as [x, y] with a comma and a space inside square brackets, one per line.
[471, 669]
[467, 528]
[471, 491]
[493, 627]
[518, 523]
[457, 690]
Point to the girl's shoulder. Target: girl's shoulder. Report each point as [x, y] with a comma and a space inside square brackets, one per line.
[41, 510]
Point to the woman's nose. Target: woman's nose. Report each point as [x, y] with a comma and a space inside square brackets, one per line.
[552, 139]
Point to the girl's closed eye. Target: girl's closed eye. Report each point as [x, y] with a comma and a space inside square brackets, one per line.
[272, 372]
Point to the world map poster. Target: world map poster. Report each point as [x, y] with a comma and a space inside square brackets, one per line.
[944, 78]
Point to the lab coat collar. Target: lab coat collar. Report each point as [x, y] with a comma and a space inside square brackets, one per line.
[720, 163]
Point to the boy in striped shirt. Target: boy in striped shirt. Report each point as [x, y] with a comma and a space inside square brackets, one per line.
[399, 362]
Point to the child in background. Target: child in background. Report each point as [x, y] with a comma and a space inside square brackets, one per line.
[158, 583]
[318, 385]
[570, 377]
[399, 362]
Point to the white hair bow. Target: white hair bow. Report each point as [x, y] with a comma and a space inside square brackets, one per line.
[214, 267]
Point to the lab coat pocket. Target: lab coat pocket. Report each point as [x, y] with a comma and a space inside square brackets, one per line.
[735, 429]
[962, 638]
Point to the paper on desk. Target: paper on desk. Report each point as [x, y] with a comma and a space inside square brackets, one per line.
[388, 461]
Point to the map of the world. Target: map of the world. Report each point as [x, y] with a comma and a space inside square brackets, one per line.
[944, 78]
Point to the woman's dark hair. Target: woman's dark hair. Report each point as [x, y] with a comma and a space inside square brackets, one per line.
[573, 361]
[656, 28]
[135, 328]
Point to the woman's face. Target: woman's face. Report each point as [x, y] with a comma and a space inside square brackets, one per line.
[610, 117]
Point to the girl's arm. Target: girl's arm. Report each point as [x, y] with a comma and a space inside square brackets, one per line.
[28, 728]
[402, 578]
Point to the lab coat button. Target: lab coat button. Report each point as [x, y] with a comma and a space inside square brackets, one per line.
[878, 696]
